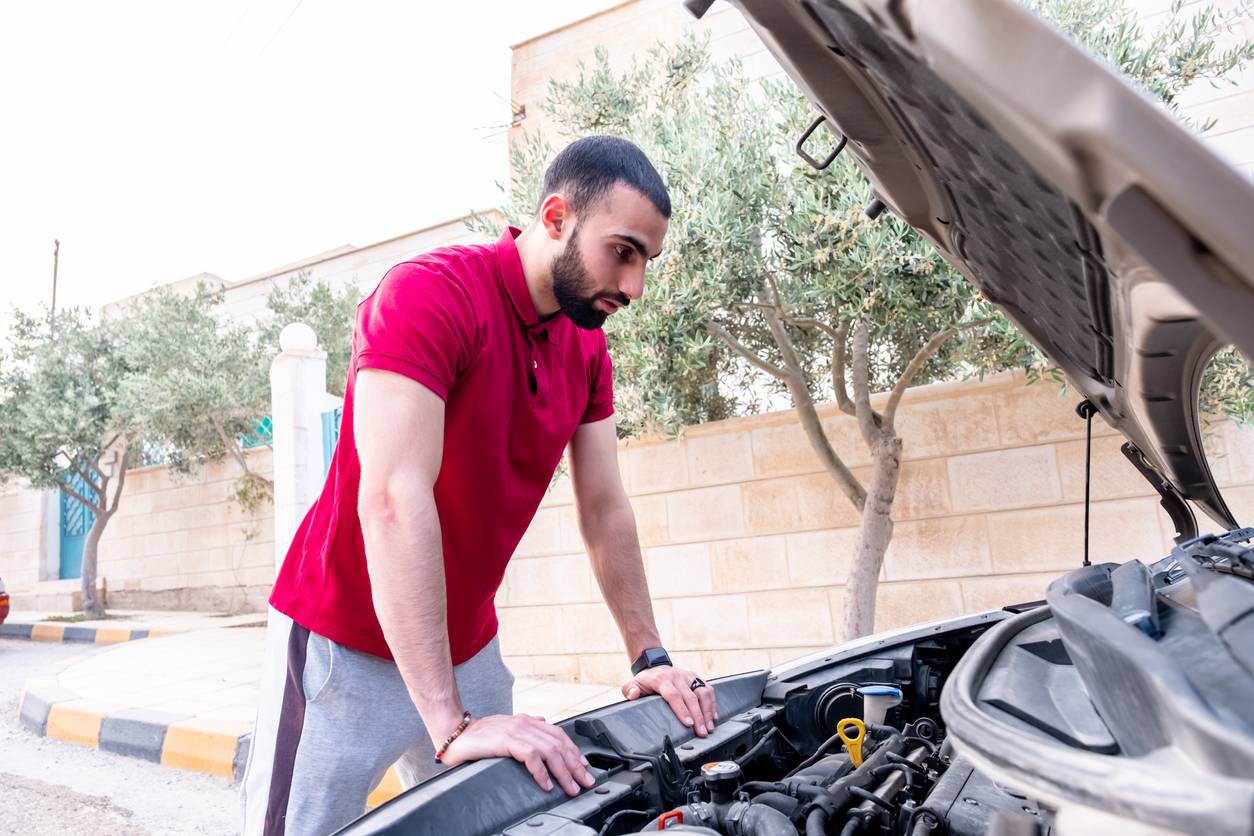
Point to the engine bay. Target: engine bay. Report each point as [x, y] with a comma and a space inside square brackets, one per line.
[853, 747]
[851, 742]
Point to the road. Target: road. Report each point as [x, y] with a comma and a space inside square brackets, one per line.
[52, 788]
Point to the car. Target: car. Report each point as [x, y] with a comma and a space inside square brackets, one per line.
[1123, 702]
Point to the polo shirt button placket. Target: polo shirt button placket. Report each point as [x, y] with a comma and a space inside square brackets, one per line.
[535, 340]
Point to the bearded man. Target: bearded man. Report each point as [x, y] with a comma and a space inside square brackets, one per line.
[473, 369]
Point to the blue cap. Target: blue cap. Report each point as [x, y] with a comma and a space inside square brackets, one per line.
[880, 691]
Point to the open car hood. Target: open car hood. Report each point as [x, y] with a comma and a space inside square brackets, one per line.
[1119, 243]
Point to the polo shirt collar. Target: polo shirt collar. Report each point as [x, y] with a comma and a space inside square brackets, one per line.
[511, 271]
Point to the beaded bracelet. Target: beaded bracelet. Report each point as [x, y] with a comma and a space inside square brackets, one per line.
[461, 727]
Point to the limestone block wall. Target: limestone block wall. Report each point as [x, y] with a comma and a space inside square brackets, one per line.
[183, 543]
[22, 533]
[747, 542]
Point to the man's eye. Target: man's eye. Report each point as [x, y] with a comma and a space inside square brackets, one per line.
[623, 253]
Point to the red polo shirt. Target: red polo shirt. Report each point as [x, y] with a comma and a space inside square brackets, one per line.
[460, 321]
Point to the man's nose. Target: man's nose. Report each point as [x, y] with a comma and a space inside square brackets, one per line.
[633, 285]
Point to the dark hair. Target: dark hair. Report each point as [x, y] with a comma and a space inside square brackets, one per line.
[588, 168]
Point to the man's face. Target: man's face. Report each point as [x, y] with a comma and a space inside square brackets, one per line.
[602, 266]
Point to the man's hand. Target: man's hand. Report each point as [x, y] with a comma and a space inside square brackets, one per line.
[543, 748]
[695, 709]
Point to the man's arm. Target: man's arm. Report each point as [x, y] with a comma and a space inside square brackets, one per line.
[405, 560]
[608, 525]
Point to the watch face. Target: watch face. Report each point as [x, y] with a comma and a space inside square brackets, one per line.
[651, 658]
[656, 656]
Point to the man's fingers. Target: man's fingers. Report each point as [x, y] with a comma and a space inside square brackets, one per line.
[675, 699]
[530, 757]
[694, 707]
[631, 690]
[554, 760]
[574, 758]
[706, 697]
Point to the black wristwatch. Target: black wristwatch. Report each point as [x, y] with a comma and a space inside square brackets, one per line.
[652, 657]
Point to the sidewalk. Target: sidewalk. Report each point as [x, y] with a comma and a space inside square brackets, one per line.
[120, 626]
[188, 699]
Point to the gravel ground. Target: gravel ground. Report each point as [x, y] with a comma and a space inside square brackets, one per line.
[51, 788]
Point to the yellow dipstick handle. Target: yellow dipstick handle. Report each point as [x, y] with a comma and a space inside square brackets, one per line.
[853, 742]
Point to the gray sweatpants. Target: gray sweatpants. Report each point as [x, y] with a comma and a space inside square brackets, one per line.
[330, 722]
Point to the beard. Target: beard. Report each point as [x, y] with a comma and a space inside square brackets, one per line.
[572, 287]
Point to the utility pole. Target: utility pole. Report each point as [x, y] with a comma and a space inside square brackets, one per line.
[56, 255]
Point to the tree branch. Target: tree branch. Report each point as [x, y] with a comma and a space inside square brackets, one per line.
[744, 351]
[91, 483]
[231, 447]
[917, 362]
[809, 416]
[774, 288]
[804, 322]
[117, 494]
[839, 339]
[76, 495]
[868, 420]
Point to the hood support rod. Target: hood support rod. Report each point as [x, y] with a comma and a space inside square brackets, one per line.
[1086, 410]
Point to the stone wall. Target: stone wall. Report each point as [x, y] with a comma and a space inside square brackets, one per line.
[183, 543]
[747, 542]
[23, 548]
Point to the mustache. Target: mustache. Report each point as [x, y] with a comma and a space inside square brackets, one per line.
[619, 298]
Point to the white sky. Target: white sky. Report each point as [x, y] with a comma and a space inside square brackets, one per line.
[162, 138]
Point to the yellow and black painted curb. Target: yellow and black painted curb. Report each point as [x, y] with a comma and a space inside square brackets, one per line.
[204, 745]
[48, 631]
[177, 740]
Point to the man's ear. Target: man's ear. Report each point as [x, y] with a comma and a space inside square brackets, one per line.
[555, 215]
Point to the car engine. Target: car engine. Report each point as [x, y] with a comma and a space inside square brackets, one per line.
[851, 742]
[858, 748]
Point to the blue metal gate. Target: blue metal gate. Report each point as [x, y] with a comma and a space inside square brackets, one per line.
[330, 435]
[76, 521]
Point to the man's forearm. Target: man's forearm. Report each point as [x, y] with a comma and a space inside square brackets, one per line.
[404, 557]
[614, 548]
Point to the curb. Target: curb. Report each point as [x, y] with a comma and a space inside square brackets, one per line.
[44, 631]
[215, 746]
[175, 740]
[181, 741]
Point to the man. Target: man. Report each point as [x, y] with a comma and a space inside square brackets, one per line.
[473, 368]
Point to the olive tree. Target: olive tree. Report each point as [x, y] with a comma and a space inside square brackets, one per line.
[328, 310]
[775, 283]
[63, 421]
[200, 385]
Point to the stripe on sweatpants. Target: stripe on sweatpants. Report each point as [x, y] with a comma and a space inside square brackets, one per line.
[291, 721]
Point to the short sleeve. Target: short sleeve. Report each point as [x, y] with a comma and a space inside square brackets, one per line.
[419, 322]
[601, 395]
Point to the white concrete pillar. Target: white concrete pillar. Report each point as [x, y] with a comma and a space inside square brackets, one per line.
[297, 397]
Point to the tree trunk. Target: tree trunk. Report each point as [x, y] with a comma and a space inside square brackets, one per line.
[92, 605]
[874, 534]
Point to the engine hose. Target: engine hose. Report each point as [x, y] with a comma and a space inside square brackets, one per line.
[609, 822]
[735, 818]
[818, 755]
[924, 825]
[883, 769]
[794, 788]
[852, 826]
[816, 822]
[757, 748]
[925, 743]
